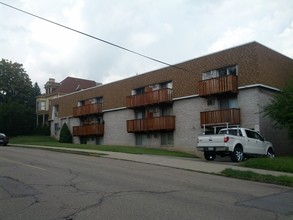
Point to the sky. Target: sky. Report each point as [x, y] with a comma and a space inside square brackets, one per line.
[172, 31]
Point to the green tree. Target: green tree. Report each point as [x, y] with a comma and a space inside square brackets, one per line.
[15, 84]
[16, 119]
[65, 135]
[36, 91]
[17, 99]
[281, 108]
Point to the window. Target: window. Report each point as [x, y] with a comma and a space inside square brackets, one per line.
[257, 136]
[210, 101]
[167, 139]
[155, 87]
[41, 105]
[81, 103]
[56, 128]
[232, 132]
[139, 114]
[139, 91]
[83, 140]
[210, 74]
[254, 135]
[232, 70]
[222, 72]
[55, 110]
[225, 71]
[166, 111]
[140, 139]
[226, 103]
[168, 85]
[98, 140]
[98, 100]
[249, 134]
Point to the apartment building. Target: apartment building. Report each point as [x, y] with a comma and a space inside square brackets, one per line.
[55, 89]
[168, 107]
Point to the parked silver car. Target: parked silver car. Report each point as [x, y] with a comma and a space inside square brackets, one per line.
[3, 139]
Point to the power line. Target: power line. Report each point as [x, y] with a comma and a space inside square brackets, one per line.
[99, 39]
[96, 38]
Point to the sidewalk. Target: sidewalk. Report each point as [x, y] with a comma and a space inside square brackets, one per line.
[193, 164]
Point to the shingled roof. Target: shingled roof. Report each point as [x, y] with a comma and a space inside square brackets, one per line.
[71, 84]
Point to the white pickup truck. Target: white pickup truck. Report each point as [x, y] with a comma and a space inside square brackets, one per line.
[235, 142]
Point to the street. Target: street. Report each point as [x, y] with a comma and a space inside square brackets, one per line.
[38, 184]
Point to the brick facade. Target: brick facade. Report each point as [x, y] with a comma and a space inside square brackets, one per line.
[258, 68]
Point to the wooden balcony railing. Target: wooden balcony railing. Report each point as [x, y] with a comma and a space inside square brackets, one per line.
[149, 98]
[218, 85]
[231, 116]
[88, 130]
[87, 109]
[164, 123]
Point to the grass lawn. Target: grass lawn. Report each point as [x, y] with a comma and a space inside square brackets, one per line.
[252, 176]
[282, 164]
[48, 141]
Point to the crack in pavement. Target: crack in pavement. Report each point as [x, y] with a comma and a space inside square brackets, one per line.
[107, 195]
[278, 203]
[17, 189]
[36, 200]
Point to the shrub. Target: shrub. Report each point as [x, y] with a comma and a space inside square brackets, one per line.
[42, 130]
[65, 135]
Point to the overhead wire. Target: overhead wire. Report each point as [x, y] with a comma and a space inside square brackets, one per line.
[96, 38]
[101, 40]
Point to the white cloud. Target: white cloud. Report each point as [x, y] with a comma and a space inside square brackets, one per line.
[142, 39]
[233, 38]
[168, 28]
[172, 31]
[285, 40]
[73, 15]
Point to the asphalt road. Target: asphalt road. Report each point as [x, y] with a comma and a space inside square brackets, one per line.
[39, 184]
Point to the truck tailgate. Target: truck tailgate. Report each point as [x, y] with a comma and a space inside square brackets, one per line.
[211, 141]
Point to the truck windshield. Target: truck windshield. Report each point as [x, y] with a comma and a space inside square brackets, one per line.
[231, 131]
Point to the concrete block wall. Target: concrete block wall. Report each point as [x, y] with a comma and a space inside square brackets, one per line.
[187, 112]
[248, 103]
[152, 140]
[74, 122]
[115, 132]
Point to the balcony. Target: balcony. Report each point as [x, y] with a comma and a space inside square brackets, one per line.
[149, 98]
[223, 84]
[88, 130]
[87, 110]
[164, 123]
[231, 116]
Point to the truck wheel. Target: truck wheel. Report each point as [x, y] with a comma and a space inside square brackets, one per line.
[237, 154]
[209, 155]
[270, 153]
